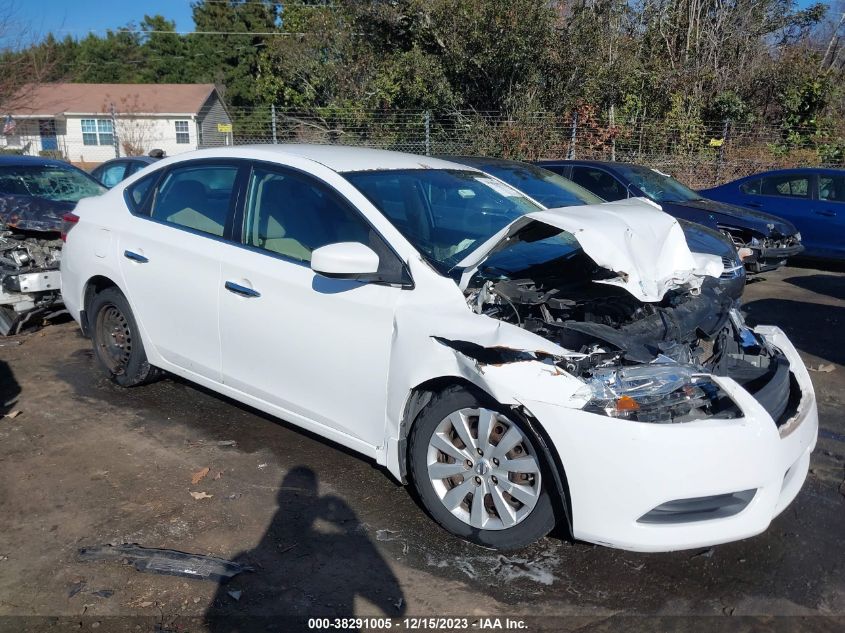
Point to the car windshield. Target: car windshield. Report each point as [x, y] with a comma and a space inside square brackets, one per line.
[546, 187]
[444, 213]
[52, 182]
[656, 185]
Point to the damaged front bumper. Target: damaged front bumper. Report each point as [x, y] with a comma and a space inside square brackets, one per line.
[30, 281]
[767, 257]
[662, 487]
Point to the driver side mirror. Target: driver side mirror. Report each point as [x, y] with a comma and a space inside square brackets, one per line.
[345, 260]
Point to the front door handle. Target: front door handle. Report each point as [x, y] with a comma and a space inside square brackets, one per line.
[825, 213]
[135, 257]
[753, 205]
[243, 291]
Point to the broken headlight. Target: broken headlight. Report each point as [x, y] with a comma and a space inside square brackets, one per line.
[659, 392]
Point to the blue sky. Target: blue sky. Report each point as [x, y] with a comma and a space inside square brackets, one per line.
[77, 17]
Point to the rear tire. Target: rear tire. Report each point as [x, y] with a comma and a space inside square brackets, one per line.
[117, 341]
[466, 486]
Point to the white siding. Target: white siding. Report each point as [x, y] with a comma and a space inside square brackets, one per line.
[145, 133]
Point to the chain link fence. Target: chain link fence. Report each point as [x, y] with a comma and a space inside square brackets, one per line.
[700, 154]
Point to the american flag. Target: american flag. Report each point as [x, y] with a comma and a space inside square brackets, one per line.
[9, 125]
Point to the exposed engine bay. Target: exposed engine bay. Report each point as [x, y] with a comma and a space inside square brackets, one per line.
[30, 282]
[645, 361]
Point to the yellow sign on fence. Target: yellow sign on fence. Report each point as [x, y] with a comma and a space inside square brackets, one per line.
[224, 127]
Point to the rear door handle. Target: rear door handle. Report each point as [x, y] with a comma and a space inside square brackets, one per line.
[135, 257]
[825, 213]
[754, 205]
[243, 291]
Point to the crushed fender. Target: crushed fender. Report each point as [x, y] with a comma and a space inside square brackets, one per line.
[488, 355]
[165, 561]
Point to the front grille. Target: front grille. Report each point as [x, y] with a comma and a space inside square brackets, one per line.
[731, 268]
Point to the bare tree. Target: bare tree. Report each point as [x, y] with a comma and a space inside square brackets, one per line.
[833, 55]
[22, 65]
[134, 132]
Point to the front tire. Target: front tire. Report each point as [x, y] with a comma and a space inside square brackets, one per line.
[478, 473]
[117, 342]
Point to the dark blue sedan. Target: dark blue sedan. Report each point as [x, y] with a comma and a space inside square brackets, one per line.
[812, 199]
[551, 190]
[764, 241]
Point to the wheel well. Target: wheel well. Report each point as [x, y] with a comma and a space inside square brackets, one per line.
[417, 399]
[94, 286]
[422, 394]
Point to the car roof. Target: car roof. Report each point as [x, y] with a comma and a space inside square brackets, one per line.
[481, 160]
[794, 170]
[15, 160]
[339, 158]
[575, 161]
[141, 159]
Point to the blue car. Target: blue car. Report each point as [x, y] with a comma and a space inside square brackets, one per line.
[113, 171]
[812, 199]
[763, 240]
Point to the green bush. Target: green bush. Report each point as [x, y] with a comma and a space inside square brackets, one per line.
[51, 153]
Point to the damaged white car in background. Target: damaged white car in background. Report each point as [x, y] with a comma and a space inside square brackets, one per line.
[520, 367]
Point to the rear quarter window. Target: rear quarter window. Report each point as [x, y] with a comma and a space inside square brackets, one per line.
[137, 193]
[751, 187]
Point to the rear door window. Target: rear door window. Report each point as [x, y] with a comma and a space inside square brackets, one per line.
[752, 187]
[196, 197]
[600, 183]
[790, 185]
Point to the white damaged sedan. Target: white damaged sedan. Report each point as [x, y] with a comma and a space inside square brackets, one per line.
[520, 367]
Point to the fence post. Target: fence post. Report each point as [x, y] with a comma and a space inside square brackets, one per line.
[115, 140]
[570, 154]
[427, 133]
[273, 121]
[613, 131]
[721, 156]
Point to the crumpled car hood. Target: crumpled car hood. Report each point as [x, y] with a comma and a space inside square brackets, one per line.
[644, 246]
[30, 213]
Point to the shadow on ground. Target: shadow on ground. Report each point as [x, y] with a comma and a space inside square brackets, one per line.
[829, 285]
[313, 560]
[814, 328]
[9, 388]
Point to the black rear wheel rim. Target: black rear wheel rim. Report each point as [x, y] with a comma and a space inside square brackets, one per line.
[113, 338]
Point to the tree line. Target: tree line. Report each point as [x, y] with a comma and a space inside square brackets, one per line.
[674, 60]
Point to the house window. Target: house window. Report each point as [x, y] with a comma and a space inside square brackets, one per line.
[182, 135]
[97, 132]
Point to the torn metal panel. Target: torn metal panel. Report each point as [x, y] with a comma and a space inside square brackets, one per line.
[28, 213]
[644, 247]
[29, 278]
[165, 561]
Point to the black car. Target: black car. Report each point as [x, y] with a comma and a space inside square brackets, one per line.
[35, 194]
[553, 191]
[765, 241]
[113, 171]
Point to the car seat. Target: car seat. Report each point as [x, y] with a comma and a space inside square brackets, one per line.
[187, 204]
